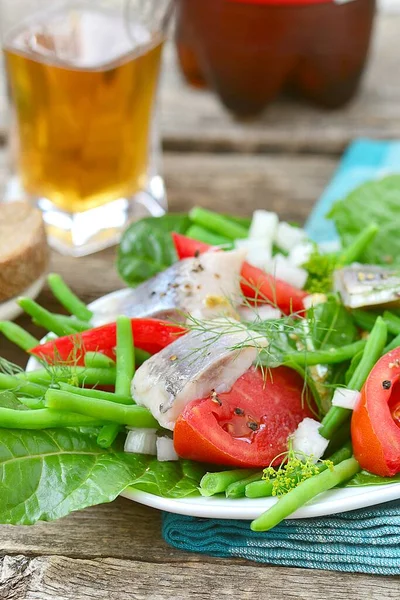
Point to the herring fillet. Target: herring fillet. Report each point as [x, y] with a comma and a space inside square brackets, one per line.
[367, 285]
[192, 366]
[183, 288]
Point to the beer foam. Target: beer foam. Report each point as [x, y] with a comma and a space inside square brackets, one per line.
[85, 39]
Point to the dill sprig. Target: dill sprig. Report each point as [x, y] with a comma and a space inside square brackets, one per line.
[295, 468]
[9, 368]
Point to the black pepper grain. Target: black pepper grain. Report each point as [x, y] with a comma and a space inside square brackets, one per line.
[239, 411]
[386, 384]
[252, 425]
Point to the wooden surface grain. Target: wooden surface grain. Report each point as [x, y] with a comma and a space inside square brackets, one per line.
[115, 551]
[63, 578]
[195, 121]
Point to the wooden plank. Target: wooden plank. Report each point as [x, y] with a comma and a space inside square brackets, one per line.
[194, 120]
[61, 578]
[122, 529]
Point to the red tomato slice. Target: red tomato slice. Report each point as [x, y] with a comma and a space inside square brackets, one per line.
[151, 335]
[246, 427]
[375, 426]
[256, 284]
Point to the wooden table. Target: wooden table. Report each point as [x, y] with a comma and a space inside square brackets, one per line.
[115, 551]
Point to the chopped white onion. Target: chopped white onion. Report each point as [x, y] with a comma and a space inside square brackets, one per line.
[281, 268]
[263, 226]
[345, 398]
[259, 252]
[141, 441]
[287, 236]
[308, 440]
[300, 254]
[313, 300]
[165, 449]
[264, 312]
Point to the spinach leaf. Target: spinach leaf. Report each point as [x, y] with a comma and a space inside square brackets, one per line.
[146, 247]
[10, 400]
[365, 478]
[45, 475]
[373, 202]
[171, 479]
[331, 324]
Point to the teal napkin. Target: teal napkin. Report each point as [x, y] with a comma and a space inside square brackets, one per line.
[365, 541]
[361, 541]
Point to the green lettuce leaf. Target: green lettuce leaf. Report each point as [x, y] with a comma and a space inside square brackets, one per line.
[373, 202]
[45, 475]
[146, 247]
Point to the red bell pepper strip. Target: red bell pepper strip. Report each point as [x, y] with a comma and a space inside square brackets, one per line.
[256, 284]
[187, 247]
[151, 335]
[375, 428]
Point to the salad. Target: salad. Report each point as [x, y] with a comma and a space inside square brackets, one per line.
[242, 360]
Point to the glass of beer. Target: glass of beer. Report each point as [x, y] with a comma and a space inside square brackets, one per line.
[82, 78]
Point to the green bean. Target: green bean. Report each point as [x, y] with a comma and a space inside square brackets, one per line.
[97, 360]
[76, 375]
[141, 356]
[132, 416]
[16, 384]
[215, 483]
[65, 322]
[304, 492]
[374, 347]
[207, 237]
[328, 357]
[125, 370]
[18, 336]
[262, 489]
[259, 489]
[354, 252]
[68, 299]
[44, 418]
[364, 319]
[395, 343]
[217, 223]
[94, 393]
[372, 352]
[237, 488]
[125, 356]
[77, 324]
[392, 322]
[45, 318]
[107, 435]
[355, 361]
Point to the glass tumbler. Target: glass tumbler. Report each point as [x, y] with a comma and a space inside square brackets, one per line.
[82, 81]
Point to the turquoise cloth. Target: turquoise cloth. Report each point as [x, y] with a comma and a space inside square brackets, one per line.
[366, 541]
[363, 160]
[361, 541]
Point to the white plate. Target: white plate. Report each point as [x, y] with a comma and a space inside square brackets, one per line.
[328, 503]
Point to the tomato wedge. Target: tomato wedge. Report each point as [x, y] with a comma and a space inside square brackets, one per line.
[256, 284]
[375, 427]
[246, 427]
[151, 335]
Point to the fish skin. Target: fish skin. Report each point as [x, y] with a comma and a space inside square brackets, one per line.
[194, 365]
[183, 289]
[367, 285]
